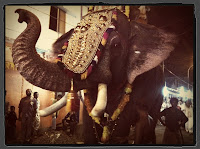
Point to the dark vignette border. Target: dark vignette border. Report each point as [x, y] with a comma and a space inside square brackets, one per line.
[196, 61]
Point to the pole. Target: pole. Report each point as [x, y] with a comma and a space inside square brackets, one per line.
[189, 76]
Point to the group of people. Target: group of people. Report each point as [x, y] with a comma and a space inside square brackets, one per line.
[28, 115]
[30, 119]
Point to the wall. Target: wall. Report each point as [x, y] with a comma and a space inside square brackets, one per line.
[47, 37]
[15, 84]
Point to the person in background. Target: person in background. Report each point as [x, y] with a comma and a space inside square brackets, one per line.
[55, 114]
[174, 119]
[6, 120]
[189, 114]
[11, 120]
[181, 105]
[71, 120]
[26, 117]
[36, 116]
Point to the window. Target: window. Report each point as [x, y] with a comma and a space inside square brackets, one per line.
[57, 19]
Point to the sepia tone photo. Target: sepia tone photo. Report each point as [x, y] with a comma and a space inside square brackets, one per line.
[99, 75]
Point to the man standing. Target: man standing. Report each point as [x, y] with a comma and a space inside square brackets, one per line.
[174, 119]
[26, 116]
[36, 120]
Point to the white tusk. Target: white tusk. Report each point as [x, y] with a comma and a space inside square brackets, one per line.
[101, 102]
[54, 107]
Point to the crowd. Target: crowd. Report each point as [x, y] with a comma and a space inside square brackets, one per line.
[30, 119]
[172, 117]
[28, 115]
[186, 107]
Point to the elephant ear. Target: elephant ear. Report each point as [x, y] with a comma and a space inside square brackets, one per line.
[149, 47]
[58, 44]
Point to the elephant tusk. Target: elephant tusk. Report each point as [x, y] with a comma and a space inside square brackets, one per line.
[54, 107]
[101, 100]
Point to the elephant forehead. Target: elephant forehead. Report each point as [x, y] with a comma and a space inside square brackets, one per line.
[84, 43]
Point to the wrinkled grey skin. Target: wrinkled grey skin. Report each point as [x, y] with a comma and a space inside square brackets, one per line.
[119, 63]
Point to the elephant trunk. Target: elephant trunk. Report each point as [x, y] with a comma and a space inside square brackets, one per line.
[31, 66]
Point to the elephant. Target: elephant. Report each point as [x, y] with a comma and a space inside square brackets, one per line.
[122, 59]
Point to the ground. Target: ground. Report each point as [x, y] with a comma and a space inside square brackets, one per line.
[60, 137]
[188, 138]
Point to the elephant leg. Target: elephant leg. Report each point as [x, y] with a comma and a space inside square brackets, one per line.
[140, 125]
[121, 131]
[123, 124]
[153, 126]
[91, 133]
[149, 135]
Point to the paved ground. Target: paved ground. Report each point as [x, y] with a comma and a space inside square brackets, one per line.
[59, 136]
[188, 138]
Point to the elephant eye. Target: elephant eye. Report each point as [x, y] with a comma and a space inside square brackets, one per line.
[115, 45]
[116, 48]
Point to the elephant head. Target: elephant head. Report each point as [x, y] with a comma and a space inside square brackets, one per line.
[105, 44]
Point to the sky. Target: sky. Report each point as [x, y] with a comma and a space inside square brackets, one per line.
[179, 20]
